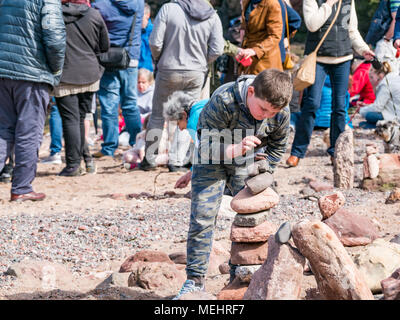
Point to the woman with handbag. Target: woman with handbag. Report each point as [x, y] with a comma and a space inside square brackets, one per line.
[333, 34]
[387, 87]
[86, 36]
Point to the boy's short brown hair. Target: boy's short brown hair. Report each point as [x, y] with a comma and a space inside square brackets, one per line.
[273, 86]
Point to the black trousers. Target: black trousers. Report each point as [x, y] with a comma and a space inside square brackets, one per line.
[73, 109]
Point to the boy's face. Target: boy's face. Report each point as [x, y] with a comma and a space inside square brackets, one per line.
[259, 108]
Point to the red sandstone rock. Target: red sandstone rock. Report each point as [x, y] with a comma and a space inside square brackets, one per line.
[249, 253]
[258, 233]
[233, 291]
[245, 202]
[329, 204]
[145, 256]
[391, 286]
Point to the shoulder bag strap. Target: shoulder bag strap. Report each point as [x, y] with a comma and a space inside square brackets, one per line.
[287, 27]
[83, 35]
[330, 27]
[391, 97]
[133, 28]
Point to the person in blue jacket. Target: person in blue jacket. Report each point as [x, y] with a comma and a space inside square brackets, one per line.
[119, 87]
[181, 107]
[146, 59]
[32, 42]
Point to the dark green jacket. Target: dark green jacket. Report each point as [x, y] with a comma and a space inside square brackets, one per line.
[226, 120]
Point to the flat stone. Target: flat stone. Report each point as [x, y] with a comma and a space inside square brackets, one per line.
[258, 233]
[259, 183]
[245, 273]
[250, 220]
[245, 202]
[352, 229]
[284, 233]
[336, 274]
[248, 253]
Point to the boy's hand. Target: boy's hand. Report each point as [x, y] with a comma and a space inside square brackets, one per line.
[184, 180]
[247, 144]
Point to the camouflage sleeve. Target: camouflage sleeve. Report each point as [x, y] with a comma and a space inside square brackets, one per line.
[230, 49]
[213, 137]
[276, 142]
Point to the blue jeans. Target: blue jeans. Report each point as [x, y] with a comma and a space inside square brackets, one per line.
[55, 124]
[339, 75]
[118, 88]
[373, 117]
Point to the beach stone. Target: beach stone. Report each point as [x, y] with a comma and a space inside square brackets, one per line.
[42, 274]
[258, 233]
[250, 220]
[257, 167]
[373, 166]
[329, 204]
[178, 257]
[245, 273]
[336, 274]
[391, 286]
[224, 268]
[280, 276]
[116, 279]
[343, 162]
[284, 233]
[377, 261]
[394, 196]
[352, 229]
[245, 202]
[396, 239]
[260, 182]
[145, 256]
[248, 253]
[319, 186]
[155, 275]
[233, 291]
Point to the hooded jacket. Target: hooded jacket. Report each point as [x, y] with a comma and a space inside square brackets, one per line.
[118, 16]
[174, 48]
[32, 40]
[81, 65]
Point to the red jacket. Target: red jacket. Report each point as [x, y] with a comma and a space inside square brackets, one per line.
[361, 84]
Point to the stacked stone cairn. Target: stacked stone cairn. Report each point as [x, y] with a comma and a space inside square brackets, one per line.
[250, 230]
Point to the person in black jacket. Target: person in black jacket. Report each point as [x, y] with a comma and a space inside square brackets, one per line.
[87, 36]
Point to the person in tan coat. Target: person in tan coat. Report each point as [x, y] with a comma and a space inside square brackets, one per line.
[262, 25]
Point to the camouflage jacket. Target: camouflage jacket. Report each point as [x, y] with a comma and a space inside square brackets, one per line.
[226, 120]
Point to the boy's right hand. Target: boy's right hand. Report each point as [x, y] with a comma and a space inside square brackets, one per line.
[236, 150]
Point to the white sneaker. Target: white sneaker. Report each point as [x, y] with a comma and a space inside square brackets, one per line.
[54, 159]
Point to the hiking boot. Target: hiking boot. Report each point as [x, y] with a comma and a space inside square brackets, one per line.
[146, 166]
[189, 286]
[71, 171]
[91, 167]
[53, 159]
[173, 168]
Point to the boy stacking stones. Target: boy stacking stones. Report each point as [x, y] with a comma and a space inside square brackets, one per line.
[243, 116]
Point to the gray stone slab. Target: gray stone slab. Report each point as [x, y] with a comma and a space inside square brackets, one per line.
[250, 220]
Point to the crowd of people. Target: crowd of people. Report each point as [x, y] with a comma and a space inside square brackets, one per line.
[196, 89]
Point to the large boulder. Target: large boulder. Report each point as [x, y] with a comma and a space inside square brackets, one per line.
[42, 274]
[246, 202]
[156, 275]
[352, 229]
[280, 276]
[335, 272]
[377, 261]
[145, 256]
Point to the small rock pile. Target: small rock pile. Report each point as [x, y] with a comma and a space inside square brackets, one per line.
[250, 230]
